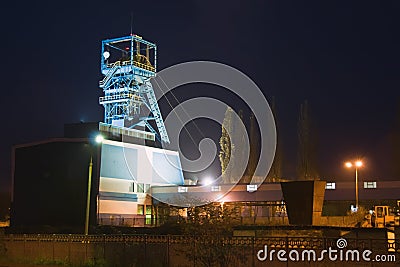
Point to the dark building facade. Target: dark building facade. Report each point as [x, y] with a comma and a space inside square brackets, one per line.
[50, 181]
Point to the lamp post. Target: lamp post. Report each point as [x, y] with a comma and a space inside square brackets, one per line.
[99, 139]
[356, 165]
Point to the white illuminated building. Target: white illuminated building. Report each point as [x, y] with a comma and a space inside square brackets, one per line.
[127, 173]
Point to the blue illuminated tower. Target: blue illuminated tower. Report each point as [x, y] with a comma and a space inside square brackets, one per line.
[129, 100]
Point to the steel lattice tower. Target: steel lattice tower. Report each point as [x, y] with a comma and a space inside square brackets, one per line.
[127, 88]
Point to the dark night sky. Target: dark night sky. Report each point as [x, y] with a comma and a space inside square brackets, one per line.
[343, 56]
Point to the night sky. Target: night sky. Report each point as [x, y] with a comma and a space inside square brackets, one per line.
[342, 56]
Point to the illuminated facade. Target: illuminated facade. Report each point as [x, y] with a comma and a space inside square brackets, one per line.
[127, 173]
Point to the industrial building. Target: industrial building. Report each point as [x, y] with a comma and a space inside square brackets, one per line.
[73, 182]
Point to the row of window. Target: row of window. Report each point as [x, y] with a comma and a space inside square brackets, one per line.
[147, 211]
[144, 208]
[217, 188]
[139, 188]
[252, 188]
[367, 185]
[129, 132]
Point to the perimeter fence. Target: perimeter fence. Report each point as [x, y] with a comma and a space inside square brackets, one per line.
[186, 250]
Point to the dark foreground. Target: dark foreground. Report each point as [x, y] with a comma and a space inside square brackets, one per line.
[185, 250]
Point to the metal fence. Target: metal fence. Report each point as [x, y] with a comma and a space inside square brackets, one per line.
[184, 250]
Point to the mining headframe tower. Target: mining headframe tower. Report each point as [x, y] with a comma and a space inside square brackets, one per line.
[129, 100]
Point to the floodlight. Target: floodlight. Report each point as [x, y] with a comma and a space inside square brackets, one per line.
[207, 181]
[99, 138]
[106, 55]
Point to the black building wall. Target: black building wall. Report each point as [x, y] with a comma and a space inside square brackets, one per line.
[50, 185]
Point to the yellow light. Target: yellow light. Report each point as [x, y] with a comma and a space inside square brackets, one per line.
[349, 165]
[359, 163]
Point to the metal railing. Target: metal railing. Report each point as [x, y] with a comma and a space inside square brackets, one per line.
[136, 63]
[125, 96]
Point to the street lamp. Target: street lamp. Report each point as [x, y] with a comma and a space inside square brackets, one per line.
[356, 165]
[99, 139]
[207, 181]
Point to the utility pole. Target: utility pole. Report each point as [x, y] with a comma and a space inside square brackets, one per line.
[88, 196]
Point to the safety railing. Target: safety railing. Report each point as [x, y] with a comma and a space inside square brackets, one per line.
[136, 63]
[128, 96]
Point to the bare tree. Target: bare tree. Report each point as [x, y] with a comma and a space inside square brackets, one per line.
[254, 150]
[395, 144]
[275, 173]
[307, 169]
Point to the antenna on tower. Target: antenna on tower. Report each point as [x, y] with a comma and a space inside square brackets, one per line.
[131, 23]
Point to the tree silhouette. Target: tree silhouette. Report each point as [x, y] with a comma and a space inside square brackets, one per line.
[234, 149]
[254, 149]
[226, 146]
[307, 169]
[395, 144]
[275, 173]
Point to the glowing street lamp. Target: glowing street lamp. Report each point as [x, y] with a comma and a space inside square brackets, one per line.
[356, 165]
[207, 181]
[99, 139]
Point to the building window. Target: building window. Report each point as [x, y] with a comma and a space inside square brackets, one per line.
[147, 188]
[140, 188]
[140, 209]
[369, 184]
[182, 189]
[215, 188]
[148, 214]
[330, 186]
[251, 187]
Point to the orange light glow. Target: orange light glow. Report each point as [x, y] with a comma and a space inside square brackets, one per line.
[349, 165]
[359, 163]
